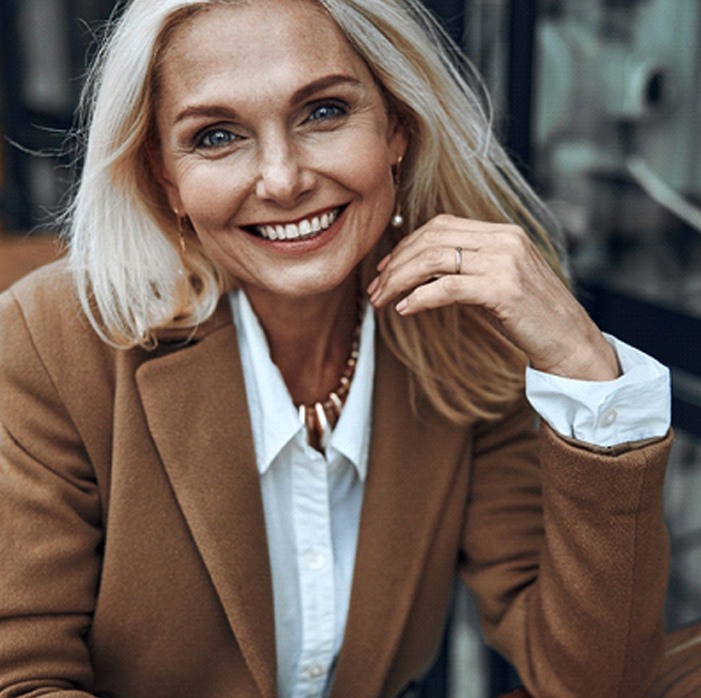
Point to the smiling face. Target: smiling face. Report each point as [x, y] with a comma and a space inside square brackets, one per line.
[276, 143]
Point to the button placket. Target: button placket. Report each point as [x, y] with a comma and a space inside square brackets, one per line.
[315, 560]
[315, 563]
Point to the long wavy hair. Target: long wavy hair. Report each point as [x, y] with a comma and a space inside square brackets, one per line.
[133, 279]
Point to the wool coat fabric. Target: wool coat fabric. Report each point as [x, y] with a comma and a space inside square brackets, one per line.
[133, 558]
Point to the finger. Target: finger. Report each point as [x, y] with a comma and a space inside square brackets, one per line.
[469, 236]
[383, 262]
[407, 272]
[429, 251]
[428, 264]
[451, 230]
[425, 238]
[466, 290]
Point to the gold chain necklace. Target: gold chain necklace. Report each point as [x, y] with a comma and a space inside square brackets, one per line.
[321, 417]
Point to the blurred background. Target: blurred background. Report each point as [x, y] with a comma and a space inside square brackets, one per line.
[598, 101]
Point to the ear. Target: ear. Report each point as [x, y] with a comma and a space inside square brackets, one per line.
[165, 179]
[173, 194]
[398, 139]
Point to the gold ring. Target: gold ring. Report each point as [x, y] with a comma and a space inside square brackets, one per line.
[458, 260]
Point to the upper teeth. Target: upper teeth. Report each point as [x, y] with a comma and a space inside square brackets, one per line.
[306, 228]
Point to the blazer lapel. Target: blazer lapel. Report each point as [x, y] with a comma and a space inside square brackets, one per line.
[412, 464]
[196, 408]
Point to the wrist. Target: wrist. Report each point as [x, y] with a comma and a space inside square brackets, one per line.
[595, 361]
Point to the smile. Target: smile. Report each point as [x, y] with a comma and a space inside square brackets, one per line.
[300, 230]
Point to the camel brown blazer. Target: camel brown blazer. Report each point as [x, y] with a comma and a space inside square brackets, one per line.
[133, 558]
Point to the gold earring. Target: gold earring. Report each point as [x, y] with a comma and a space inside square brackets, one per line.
[181, 234]
[397, 219]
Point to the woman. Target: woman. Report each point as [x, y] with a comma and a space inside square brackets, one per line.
[218, 480]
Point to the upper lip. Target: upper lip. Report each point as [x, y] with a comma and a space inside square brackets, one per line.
[295, 221]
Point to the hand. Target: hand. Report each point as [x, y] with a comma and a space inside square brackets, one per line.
[503, 273]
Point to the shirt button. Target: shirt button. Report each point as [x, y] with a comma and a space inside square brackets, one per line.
[314, 671]
[608, 418]
[315, 560]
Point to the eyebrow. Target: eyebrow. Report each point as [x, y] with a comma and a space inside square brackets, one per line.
[216, 111]
[327, 81]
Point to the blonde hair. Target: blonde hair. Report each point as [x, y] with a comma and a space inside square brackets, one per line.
[133, 279]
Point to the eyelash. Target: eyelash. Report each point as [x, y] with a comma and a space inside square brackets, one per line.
[339, 109]
[201, 139]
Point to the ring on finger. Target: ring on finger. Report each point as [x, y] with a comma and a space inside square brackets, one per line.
[458, 260]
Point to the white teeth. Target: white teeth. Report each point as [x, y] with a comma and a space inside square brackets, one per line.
[304, 229]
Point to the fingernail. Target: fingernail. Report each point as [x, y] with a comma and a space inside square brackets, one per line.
[402, 306]
[373, 286]
[383, 262]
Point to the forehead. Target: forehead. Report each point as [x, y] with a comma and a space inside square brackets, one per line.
[253, 43]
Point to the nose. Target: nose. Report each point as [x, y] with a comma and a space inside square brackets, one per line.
[283, 177]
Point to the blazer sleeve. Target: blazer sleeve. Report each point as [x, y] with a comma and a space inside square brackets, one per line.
[567, 553]
[50, 520]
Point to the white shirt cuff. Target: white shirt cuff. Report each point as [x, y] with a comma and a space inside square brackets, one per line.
[635, 406]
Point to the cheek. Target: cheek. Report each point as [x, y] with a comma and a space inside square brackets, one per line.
[370, 170]
[380, 189]
[210, 195]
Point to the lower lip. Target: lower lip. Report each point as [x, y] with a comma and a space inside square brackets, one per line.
[304, 246]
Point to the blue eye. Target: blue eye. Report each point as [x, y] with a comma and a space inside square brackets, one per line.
[215, 138]
[326, 111]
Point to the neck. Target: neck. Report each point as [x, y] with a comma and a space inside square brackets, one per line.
[310, 338]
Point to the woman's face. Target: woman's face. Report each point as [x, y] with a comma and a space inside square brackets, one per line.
[277, 144]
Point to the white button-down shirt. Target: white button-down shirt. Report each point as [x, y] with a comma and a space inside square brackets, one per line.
[312, 506]
[312, 502]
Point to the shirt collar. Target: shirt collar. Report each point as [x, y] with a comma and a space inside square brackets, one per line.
[274, 419]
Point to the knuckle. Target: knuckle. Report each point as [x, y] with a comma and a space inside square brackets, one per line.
[433, 236]
[515, 230]
[512, 268]
[443, 219]
[450, 285]
[516, 237]
[515, 242]
[431, 258]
